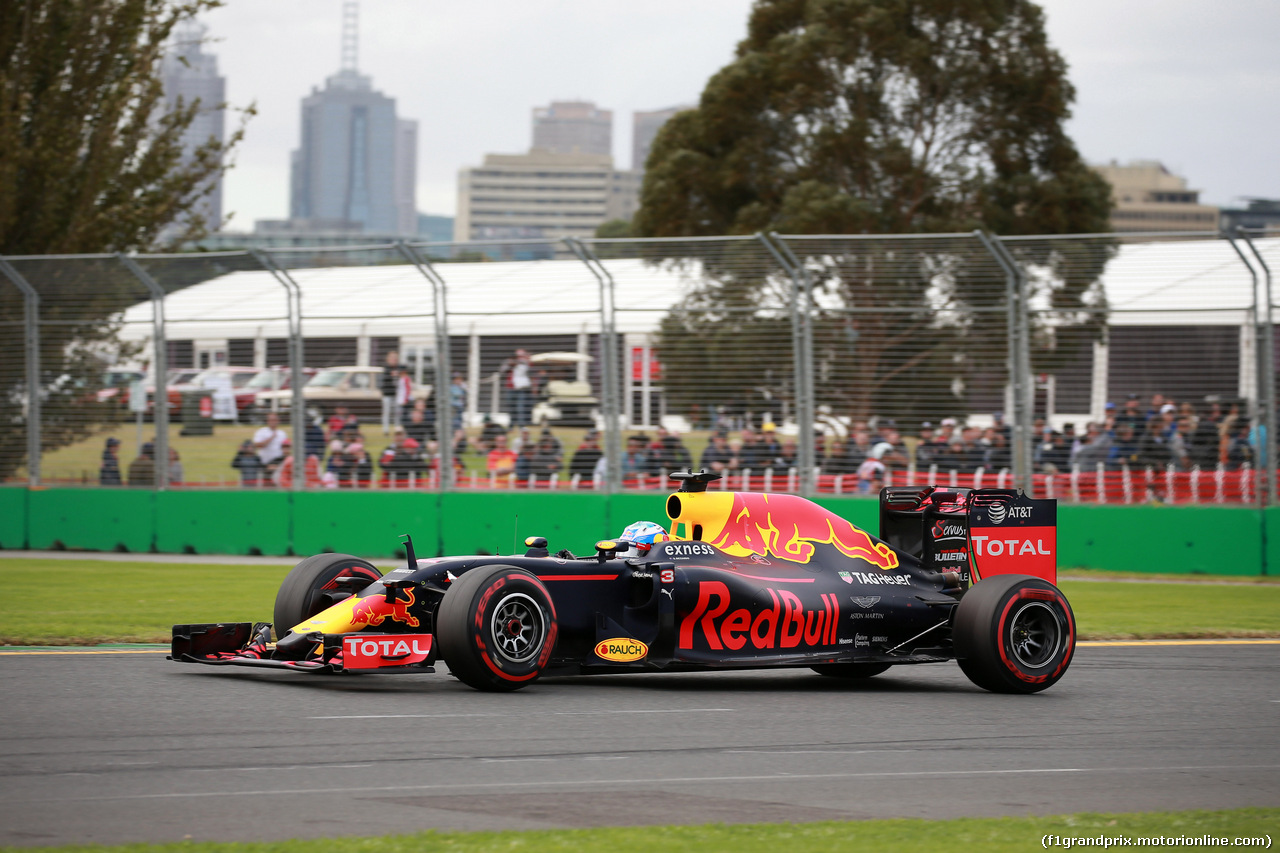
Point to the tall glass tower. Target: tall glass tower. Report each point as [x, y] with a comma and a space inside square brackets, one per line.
[189, 74]
[355, 168]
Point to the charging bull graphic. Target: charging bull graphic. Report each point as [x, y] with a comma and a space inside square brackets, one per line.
[743, 524]
[374, 609]
[355, 614]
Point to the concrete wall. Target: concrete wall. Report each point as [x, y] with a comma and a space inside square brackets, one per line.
[1168, 539]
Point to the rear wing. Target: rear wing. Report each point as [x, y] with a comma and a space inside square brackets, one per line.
[976, 533]
[1012, 534]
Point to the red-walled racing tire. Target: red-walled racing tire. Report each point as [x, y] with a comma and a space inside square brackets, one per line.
[496, 628]
[850, 670]
[1014, 634]
[310, 588]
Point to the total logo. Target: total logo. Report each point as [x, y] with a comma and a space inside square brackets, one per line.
[365, 651]
[1011, 547]
[999, 512]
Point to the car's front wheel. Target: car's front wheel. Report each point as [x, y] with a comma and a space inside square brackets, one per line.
[312, 586]
[497, 628]
[1014, 634]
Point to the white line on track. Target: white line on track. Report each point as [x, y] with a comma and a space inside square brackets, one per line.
[1226, 642]
[659, 780]
[551, 714]
[276, 769]
[581, 758]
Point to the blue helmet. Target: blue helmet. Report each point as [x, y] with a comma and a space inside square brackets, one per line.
[643, 534]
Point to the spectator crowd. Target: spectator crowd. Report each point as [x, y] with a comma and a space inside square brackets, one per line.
[1155, 435]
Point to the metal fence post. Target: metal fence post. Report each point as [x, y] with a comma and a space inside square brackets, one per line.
[444, 407]
[31, 346]
[1263, 348]
[298, 418]
[802, 354]
[1019, 357]
[609, 373]
[160, 362]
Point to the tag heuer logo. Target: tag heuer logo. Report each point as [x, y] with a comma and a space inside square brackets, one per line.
[847, 577]
[997, 513]
[865, 601]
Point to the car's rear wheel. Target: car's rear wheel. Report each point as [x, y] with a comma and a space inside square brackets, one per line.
[312, 586]
[850, 670]
[1014, 634]
[497, 628]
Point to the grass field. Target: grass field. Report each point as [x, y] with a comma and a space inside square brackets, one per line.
[74, 602]
[884, 836]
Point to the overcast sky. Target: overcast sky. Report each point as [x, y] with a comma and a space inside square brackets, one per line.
[1191, 83]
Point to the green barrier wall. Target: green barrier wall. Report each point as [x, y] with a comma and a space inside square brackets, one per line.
[365, 523]
[1177, 540]
[222, 522]
[91, 519]
[13, 517]
[1174, 540]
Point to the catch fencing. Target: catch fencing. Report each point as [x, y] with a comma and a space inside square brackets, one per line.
[1115, 368]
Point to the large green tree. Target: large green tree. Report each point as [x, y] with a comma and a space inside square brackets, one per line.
[91, 161]
[885, 117]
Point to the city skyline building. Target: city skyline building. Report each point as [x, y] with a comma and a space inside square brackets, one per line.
[573, 127]
[189, 74]
[541, 194]
[355, 168]
[644, 127]
[1148, 197]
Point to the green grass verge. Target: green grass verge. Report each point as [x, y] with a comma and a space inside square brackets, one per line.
[1122, 610]
[988, 834]
[1103, 575]
[81, 602]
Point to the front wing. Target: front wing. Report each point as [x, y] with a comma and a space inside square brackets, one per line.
[248, 644]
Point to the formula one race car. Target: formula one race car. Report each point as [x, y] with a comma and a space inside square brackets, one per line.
[743, 580]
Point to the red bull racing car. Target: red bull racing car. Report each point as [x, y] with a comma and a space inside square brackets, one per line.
[743, 580]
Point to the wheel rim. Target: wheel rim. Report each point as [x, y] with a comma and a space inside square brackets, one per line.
[1035, 635]
[517, 627]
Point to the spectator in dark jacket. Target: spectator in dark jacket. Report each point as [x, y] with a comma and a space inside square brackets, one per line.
[142, 471]
[584, 460]
[1205, 443]
[248, 464]
[546, 460]
[769, 444]
[1153, 448]
[718, 458]
[1124, 448]
[670, 455]
[314, 440]
[1052, 454]
[109, 471]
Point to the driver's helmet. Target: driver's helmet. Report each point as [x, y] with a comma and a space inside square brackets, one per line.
[642, 534]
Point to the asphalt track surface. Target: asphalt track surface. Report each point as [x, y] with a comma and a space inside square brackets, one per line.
[113, 748]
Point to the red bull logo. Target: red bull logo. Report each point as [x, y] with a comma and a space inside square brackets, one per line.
[785, 526]
[373, 610]
[788, 624]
